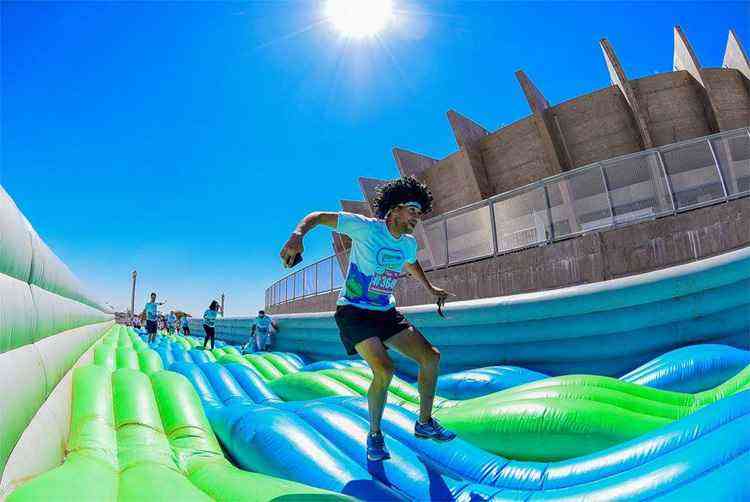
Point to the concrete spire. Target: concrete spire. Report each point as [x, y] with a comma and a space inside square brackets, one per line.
[735, 56]
[369, 189]
[618, 78]
[357, 207]
[466, 131]
[539, 105]
[410, 163]
[686, 59]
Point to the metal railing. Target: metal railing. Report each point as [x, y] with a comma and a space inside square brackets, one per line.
[323, 276]
[620, 191]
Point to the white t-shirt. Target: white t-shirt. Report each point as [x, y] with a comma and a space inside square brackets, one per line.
[375, 262]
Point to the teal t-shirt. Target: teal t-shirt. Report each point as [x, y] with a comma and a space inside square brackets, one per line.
[375, 262]
[151, 309]
[262, 323]
[209, 317]
[171, 319]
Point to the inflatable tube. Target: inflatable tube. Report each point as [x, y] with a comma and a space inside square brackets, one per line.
[42, 445]
[523, 480]
[91, 465]
[200, 455]
[691, 369]
[277, 443]
[565, 417]
[29, 374]
[688, 369]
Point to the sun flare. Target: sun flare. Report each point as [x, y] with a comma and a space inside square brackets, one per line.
[359, 18]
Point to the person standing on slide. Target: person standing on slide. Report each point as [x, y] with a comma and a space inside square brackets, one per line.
[262, 325]
[185, 325]
[152, 316]
[171, 321]
[209, 323]
[366, 312]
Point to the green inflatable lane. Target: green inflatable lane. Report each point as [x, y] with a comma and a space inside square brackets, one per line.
[546, 420]
[139, 433]
[91, 465]
[199, 455]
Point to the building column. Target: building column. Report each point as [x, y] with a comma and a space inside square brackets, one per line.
[618, 78]
[736, 58]
[468, 134]
[552, 143]
[686, 59]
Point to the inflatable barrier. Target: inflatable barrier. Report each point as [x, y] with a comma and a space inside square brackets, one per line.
[47, 324]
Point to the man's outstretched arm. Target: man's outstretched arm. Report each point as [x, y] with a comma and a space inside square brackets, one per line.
[294, 246]
[415, 270]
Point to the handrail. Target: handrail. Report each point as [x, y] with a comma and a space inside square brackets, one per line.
[660, 182]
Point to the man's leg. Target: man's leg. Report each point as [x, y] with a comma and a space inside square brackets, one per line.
[412, 344]
[374, 352]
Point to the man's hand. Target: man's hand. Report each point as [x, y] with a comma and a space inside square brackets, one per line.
[292, 248]
[441, 296]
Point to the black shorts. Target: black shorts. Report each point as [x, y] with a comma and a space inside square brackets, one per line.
[356, 324]
[151, 327]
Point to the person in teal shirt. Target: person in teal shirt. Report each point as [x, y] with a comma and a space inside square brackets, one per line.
[209, 323]
[151, 311]
[171, 321]
[185, 325]
[262, 325]
[366, 312]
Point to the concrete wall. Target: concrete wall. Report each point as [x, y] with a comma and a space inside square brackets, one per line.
[451, 182]
[730, 96]
[318, 303]
[514, 156]
[587, 129]
[599, 256]
[595, 127]
[673, 106]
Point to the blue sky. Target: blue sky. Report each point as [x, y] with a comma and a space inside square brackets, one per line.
[185, 140]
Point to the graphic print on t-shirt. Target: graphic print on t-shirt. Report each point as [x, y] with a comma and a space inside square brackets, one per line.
[376, 259]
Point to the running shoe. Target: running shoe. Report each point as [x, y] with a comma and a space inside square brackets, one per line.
[376, 450]
[432, 430]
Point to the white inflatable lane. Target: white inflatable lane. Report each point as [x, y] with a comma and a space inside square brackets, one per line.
[47, 321]
[41, 447]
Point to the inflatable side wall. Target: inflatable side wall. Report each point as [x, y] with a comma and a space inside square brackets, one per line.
[579, 329]
[47, 324]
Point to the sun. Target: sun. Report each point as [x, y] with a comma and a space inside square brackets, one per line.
[359, 18]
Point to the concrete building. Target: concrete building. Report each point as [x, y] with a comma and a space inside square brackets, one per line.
[642, 174]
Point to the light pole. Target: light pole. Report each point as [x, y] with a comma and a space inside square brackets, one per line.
[132, 294]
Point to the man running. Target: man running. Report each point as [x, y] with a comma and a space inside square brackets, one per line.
[152, 316]
[366, 309]
[262, 324]
[171, 321]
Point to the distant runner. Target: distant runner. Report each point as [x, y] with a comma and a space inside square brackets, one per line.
[262, 324]
[171, 321]
[366, 309]
[152, 316]
[185, 325]
[209, 322]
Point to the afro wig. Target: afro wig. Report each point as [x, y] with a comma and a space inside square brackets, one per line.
[401, 191]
